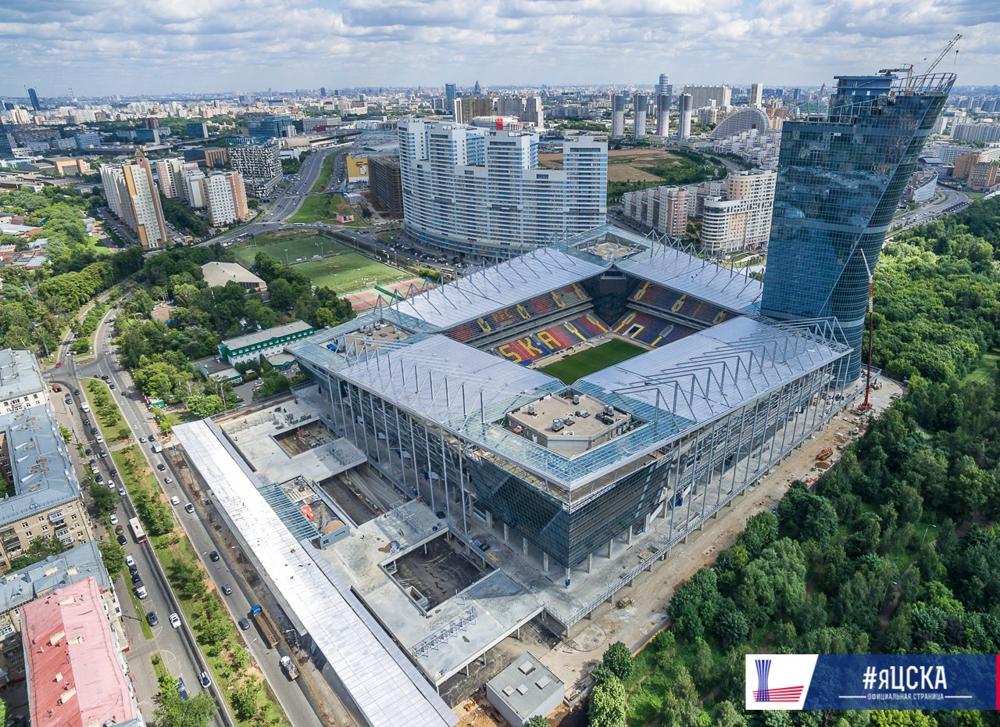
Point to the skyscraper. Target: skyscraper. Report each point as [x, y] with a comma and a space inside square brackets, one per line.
[168, 173]
[757, 95]
[260, 165]
[477, 90]
[6, 148]
[640, 105]
[662, 114]
[704, 95]
[684, 116]
[226, 198]
[450, 94]
[33, 95]
[839, 182]
[663, 85]
[617, 115]
[133, 197]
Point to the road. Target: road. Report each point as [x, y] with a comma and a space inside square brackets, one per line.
[176, 646]
[290, 695]
[951, 201]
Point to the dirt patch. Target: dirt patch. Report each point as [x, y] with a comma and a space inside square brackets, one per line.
[355, 505]
[436, 571]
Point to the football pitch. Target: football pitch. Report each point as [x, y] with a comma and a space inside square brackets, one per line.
[571, 368]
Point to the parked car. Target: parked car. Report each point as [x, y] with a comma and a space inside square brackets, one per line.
[175, 620]
[204, 680]
[161, 466]
[152, 619]
[167, 480]
[136, 578]
[114, 519]
[129, 560]
[182, 688]
[244, 624]
[122, 540]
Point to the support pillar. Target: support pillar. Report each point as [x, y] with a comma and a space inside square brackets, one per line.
[524, 545]
[590, 562]
[506, 532]
[567, 580]
[545, 562]
[630, 535]
[610, 544]
[489, 520]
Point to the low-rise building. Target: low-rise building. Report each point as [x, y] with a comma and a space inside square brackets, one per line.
[525, 689]
[357, 169]
[218, 274]
[263, 343]
[76, 672]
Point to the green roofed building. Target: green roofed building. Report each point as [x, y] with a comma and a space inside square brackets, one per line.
[263, 343]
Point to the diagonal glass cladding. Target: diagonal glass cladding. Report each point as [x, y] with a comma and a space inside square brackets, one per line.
[839, 182]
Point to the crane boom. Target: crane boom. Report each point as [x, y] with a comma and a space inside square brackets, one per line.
[947, 49]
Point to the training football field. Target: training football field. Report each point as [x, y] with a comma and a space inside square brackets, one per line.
[571, 368]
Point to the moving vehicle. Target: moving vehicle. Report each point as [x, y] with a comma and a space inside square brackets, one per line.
[288, 666]
[268, 631]
[137, 532]
[175, 620]
[214, 556]
[189, 508]
[227, 589]
[175, 500]
[205, 680]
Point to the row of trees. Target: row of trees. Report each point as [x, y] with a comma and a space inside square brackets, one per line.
[894, 551]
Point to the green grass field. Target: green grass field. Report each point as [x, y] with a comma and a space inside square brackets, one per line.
[341, 268]
[578, 365]
[298, 245]
[324, 208]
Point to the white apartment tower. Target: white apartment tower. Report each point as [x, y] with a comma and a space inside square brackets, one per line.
[684, 116]
[226, 198]
[741, 220]
[640, 106]
[481, 192]
[617, 115]
[757, 95]
[168, 174]
[704, 96]
[193, 186]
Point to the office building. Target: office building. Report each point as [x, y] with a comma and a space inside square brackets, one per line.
[75, 669]
[33, 96]
[168, 175]
[617, 115]
[757, 95]
[662, 115]
[663, 87]
[267, 342]
[664, 209]
[260, 165]
[640, 105]
[226, 199]
[46, 494]
[467, 108]
[481, 191]
[6, 146]
[192, 186]
[87, 139]
[196, 130]
[684, 110]
[839, 183]
[270, 126]
[450, 94]
[134, 198]
[702, 96]
[385, 183]
[220, 274]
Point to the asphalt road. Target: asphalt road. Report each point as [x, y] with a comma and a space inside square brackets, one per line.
[142, 424]
[953, 201]
[176, 646]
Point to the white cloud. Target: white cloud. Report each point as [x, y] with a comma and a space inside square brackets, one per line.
[132, 46]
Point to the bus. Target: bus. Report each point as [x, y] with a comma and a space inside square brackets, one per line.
[137, 532]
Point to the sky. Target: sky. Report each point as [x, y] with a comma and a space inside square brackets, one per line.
[105, 47]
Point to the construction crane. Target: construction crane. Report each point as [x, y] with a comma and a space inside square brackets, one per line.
[947, 49]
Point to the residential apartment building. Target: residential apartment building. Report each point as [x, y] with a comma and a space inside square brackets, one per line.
[385, 183]
[21, 383]
[984, 176]
[985, 132]
[707, 95]
[193, 187]
[46, 494]
[664, 209]
[526, 108]
[260, 165]
[481, 191]
[168, 172]
[741, 219]
[135, 200]
[467, 108]
[226, 198]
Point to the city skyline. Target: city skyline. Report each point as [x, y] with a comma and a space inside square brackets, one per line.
[186, 47]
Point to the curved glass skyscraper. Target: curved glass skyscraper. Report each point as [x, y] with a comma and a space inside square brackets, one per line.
[839, 182]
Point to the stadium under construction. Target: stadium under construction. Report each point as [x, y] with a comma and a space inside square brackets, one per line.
[447, 395]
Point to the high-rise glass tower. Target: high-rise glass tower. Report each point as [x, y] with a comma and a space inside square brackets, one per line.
[839, 182]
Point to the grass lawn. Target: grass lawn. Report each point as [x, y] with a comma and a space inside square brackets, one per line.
[105, 411]
[571, 368]
[324, 208]
[349, 271]
[984, 372]
[324, 174]
[298, 244]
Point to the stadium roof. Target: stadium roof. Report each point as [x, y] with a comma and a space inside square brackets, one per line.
[384, 686]
[496, 287]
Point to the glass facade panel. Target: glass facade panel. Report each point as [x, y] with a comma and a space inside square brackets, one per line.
[839, 183]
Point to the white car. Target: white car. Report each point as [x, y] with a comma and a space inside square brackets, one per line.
[114, 519]
[175, 620]
[175, 500]
[129, 560]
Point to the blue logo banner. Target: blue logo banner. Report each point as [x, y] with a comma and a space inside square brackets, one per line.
[849, 682]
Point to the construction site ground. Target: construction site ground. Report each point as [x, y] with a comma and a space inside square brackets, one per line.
[572, 659]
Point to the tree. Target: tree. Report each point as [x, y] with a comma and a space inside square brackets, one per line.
[103, 501]
[695, 604]
[537, 721]
[618, 660]
[244, 700]
[731, 627]
[40, 549]
[113, 557]
[896, 718]
[202, 405]
[607, 704]
[726, 714]
[172, 711]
